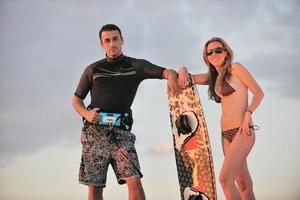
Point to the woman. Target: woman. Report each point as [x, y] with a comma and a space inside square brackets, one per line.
[229, 84]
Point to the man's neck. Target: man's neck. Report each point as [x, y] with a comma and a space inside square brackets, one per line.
[114, 59]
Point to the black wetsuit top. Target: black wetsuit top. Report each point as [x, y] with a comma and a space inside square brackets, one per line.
[113, 83]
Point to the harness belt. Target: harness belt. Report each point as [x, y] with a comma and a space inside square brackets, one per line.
[123, 121]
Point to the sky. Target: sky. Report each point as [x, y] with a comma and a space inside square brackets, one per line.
[45, 46]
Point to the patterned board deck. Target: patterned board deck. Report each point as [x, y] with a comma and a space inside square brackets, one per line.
[193, 152]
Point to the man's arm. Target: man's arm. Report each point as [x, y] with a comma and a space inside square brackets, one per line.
[90, 115]
[171, 76]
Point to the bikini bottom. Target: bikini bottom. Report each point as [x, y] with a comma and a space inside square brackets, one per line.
[230, 134]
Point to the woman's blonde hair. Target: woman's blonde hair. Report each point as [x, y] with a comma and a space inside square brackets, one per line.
[226, 67]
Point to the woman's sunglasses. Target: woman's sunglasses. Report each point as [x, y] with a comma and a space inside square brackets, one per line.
[217, 50]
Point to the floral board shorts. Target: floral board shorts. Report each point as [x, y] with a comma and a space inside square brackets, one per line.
[102, 147]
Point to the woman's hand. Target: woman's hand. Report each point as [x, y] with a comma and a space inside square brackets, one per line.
[246, 123]
[183, 77]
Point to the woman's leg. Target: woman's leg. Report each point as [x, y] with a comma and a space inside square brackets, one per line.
[235, 155]
[244, 182]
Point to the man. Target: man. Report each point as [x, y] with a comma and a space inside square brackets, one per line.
[106, 137]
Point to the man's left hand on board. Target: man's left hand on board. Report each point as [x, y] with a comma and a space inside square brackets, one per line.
[173, 86]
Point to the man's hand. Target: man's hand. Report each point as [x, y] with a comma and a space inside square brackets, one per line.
[92, 116]
[171, 76]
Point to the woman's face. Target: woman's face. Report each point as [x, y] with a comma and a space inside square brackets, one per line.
[216, 54]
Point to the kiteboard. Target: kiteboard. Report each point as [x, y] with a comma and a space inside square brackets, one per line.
[192, 148]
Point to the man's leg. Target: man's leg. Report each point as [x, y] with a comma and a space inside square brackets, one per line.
[95, 160]
[95, 193]
[135, 189]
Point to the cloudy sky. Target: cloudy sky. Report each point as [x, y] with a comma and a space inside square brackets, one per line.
[45, 45]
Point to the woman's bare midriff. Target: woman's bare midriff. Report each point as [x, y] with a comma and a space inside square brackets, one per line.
[233, 108]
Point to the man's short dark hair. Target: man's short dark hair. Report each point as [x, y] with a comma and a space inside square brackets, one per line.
[109, 27]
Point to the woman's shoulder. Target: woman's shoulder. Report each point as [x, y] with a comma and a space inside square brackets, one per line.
[237, 68]
[240, 71]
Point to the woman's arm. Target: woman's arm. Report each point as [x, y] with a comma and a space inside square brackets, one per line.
[184, 78]
[253, 86]
[251, 83]
[201, 79]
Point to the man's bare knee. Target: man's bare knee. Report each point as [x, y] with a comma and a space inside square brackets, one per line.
[95, 193]
[135, 189]
[134, 183]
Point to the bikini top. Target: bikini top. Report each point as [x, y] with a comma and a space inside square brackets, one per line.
[226, 89]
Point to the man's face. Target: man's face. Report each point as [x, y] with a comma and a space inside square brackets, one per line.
[112, 43]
